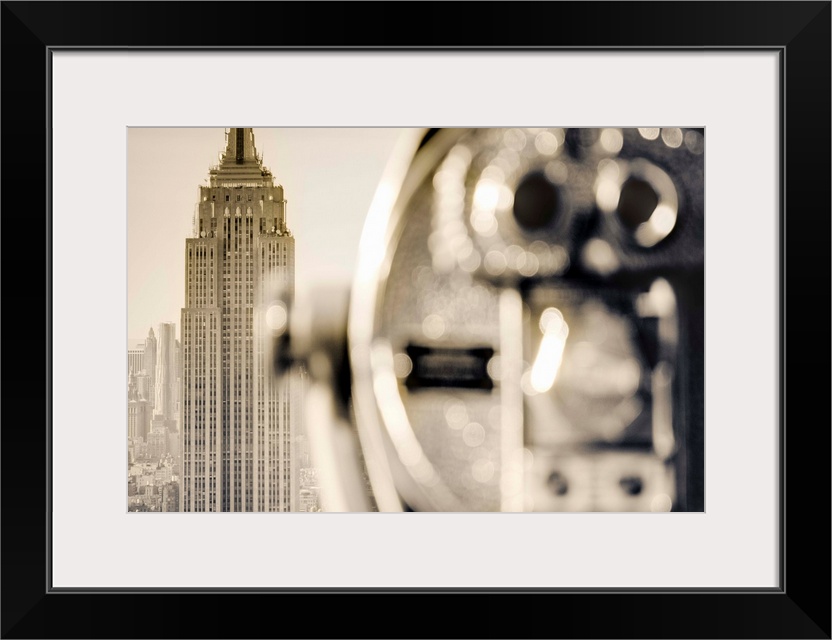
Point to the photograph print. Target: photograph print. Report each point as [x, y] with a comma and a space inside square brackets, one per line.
[422, 320]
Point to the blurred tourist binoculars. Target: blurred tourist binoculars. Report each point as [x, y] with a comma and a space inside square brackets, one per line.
[525, 330]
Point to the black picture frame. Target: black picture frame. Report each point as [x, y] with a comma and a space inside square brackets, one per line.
[798, 608]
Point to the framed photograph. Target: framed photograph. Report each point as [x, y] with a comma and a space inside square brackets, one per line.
[557, 269]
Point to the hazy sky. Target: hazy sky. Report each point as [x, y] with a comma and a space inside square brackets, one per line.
[329, 177]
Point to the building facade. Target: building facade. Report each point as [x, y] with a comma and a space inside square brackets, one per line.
[147, 387]
[141, 364]
[237, 429]
[138, 412]
[135, 359]
[166, 378]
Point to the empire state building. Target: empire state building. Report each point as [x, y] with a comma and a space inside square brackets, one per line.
[237, 424]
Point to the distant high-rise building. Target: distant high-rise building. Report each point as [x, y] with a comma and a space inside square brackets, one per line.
[173, 444]
[165, 384]
[170, 497]
[143, 386]
[236, 420]
[177, 367]
[138, 411]
[135, 358]
[149, 369]
[157, 443]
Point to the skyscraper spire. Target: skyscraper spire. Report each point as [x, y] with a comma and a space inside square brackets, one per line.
[240, 165]
[240, 168]
[240, 147]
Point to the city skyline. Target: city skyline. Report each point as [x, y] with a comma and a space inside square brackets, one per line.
[167, 166]
[153, 400]
[209, 426]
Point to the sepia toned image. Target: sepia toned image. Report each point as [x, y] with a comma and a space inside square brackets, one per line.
[416, 318]
[457, 320]
[211, 241]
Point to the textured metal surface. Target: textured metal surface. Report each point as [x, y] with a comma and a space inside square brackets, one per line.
[605, 229]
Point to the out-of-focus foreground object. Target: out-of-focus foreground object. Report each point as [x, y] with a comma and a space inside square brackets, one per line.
[310, 336]
[525, 329]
